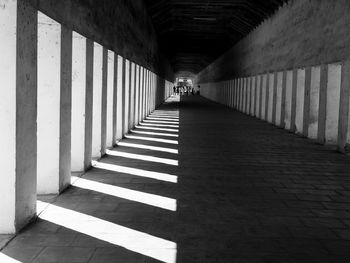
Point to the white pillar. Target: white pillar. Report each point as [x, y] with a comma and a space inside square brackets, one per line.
[48, 120]
[314, 101]
[104, 101]
[89, 102]
[110, 99]
[278, 120]
[18, 108]
[132, 96]
[137, 95]
[119, 121]
[333, 100]
[126, 90]
[299, 115]
[270, 99]
[97, 101]
[78, 102]
[65, 109]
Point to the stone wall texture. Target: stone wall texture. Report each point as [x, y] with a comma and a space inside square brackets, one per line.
[301, 33]
[122, 26]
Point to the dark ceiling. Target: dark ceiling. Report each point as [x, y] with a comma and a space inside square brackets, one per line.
[193, 33]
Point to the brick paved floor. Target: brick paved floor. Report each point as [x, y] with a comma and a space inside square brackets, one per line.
[245, 191]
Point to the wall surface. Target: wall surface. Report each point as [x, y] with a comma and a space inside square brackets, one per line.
[122, 26]
[301, 33]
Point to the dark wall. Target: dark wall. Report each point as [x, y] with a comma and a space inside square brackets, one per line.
[301, 33]
[120, 25]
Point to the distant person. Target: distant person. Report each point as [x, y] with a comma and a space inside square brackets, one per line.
[199, 90]
[174, 89]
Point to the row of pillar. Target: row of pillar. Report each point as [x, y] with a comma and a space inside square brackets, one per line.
[65, 100]
[312, 101]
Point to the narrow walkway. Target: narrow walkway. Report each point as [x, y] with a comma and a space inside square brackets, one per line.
[216, 186]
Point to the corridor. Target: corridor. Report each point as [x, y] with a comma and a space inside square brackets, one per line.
[198, 182]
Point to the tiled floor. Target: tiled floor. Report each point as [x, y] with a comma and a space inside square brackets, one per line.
[229, 188]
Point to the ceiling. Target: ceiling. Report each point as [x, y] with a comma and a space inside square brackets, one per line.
[193, 33]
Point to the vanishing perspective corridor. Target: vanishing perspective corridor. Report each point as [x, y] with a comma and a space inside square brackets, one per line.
[198, 182]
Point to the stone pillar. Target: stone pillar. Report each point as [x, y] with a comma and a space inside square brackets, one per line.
[132, 96]
[137, 96]
[78, 102]
[271, 92]
[65, 109]
[49, 97]
[97, 101]
[278, 95]
[314, 102]
[126, 93]
[258, 96]
[104, 101]
[115, 99]
[333, 102]
[300, 95]
[18, 110]
[110, 110]
[120, 96]
[322, 104]
[344, 107]
[89, 102]
[307, 101]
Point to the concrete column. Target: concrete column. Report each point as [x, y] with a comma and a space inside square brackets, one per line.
[120, 96]
[283, 102]
[88, 102]
[261, 96]
[241, 95]
[300, 94]
[333, 102]
[294, 100]
[264, 95]
[231, 93]
[115, 99]
[142, 85]
[307, 101]
[344, 107]
[253, 96]
[314, 102]
[235, 94]
[111, 100]
[65, 109]
[104, 101]
[267, 99]
[270, 104]
[144, 93]
[132, 96]
[239, 92]
[278, 95]
[274, 98]
[322, 104]
[18, 109]
[137, 95]
[97, 101]
[257, 96]
[147, 93]
[78, 102]
[49, 97]
[249, 92]
[126, 90]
